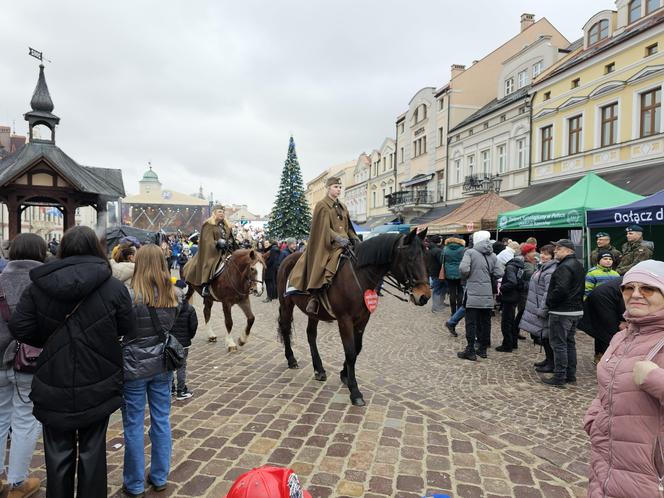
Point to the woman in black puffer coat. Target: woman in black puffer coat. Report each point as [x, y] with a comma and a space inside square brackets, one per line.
[78, 382]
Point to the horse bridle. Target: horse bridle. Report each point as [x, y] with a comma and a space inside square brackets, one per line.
[247, 279]
[389, 278]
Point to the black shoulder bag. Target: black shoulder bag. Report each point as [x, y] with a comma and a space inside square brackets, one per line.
[173, 350]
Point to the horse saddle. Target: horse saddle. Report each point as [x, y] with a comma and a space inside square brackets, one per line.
[220, 268]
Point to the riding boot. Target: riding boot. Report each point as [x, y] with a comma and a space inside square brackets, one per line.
[205, 290]
[313, 304]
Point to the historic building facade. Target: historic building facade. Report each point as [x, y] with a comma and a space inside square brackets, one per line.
[356, 192]
[423, 130]
[489, 151]
[599, 109]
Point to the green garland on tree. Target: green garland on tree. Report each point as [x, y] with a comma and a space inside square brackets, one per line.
[290, 216]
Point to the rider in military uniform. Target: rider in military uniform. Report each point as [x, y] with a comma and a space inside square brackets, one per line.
[331, 232]
[216, 243]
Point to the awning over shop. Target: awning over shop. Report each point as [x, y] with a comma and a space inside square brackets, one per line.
[646, 180]
[433, 214]
[568, 208]
[421, 178]
[478, 213]
[375, 221]
[648, 211]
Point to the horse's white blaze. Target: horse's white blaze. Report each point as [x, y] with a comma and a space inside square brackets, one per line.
[230, 343]
[259, 277]
[208, 329]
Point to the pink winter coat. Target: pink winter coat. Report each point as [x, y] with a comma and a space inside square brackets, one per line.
[625, 422]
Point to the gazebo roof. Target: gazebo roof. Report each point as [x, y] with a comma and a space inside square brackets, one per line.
[480, 211]
[100, 181]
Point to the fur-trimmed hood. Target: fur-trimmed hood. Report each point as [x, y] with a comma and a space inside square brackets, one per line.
[455, 240]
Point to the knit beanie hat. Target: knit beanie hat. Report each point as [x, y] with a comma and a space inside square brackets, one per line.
[650, 272]
[604, 254]
[481, 235]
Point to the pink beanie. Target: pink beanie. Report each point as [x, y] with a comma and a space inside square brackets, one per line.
[649, 272]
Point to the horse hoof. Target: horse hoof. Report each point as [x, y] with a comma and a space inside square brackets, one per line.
[344, 379]
[212, 339]
[293, 365]
[322, 376]
[241, 343]
[358, 401]
[232, 349]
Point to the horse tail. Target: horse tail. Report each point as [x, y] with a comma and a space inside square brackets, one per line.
[285, 322]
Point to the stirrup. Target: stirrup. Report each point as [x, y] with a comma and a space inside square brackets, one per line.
[205, 290]
[313, 306]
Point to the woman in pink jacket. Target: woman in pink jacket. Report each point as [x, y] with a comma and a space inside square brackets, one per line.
[625, 422]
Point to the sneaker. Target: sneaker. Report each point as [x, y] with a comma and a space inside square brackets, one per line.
[156, 487]
[184, 394]
[452, 329]
[132, 495]
[27, 488]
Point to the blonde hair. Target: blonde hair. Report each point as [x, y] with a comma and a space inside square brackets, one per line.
[514, 245]
[212, 220]
[152, 281]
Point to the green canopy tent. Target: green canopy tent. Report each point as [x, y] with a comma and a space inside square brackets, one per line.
[568, 208]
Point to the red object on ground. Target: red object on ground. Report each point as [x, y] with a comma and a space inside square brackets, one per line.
[268, 482]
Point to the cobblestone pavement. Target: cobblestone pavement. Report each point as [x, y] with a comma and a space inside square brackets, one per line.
[433, 423]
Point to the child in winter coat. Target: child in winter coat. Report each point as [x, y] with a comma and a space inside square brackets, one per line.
[184, 331]
[601, 273]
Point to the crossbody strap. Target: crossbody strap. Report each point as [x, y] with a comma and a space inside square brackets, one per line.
[156, 324]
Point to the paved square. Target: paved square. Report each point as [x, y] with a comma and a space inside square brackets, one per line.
[433, 423]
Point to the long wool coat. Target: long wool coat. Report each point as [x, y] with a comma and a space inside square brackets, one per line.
[200, 269]
[319, 262]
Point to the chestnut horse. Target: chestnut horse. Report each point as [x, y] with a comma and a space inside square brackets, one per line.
[401, 257]
[242, 276]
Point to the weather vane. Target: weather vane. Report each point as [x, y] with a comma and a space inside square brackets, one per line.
[37, 54]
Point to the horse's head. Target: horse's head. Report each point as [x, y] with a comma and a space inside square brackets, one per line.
[409, 268]
[256, 272]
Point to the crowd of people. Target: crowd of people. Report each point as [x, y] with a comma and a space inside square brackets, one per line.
[543, 291]
[84, 335]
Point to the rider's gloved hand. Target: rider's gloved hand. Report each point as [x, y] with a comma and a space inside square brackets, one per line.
[221, 244]
[343, 242]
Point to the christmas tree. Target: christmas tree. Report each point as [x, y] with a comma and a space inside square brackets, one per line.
[290, 215]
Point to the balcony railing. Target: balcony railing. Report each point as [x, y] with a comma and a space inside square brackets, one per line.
[482, 183]
[407, 197]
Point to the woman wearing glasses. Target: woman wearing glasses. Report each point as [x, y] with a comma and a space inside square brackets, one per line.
[625, 422]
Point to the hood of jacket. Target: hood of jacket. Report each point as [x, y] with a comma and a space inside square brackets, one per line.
[484, 247]
[455, 240]
[71, 278]
[549, 264]
[517, 261]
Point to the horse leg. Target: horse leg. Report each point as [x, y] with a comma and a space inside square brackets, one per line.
[228, 319]
[286, 329]
[190, 293]
[207, 313]
[312, 332]
[245, 306]
[347, 332]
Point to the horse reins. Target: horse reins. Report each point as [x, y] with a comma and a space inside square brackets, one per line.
[249, 279]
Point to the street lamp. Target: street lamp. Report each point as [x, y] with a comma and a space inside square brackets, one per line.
[497, 181]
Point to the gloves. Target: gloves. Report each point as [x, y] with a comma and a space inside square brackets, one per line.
[342, 241]
[221, 244]
[641, 370]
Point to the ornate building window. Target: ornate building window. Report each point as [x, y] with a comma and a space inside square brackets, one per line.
[651, 103]
[501, 158]
[574, 135]
[509, 86]
[522, 79]
[546, 135]
[521, 153]
[634, 9]
[609, 124]
[598, 31]
[651, 5]
[537, 69]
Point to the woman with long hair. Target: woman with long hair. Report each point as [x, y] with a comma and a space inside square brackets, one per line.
[77, 313]
[27, 251]
[122, 263]
[145, 374]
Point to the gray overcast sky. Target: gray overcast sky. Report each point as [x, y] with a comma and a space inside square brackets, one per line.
[209, 91]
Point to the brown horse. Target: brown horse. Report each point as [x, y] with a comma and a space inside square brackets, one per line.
[387, 255]
[242, 276]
